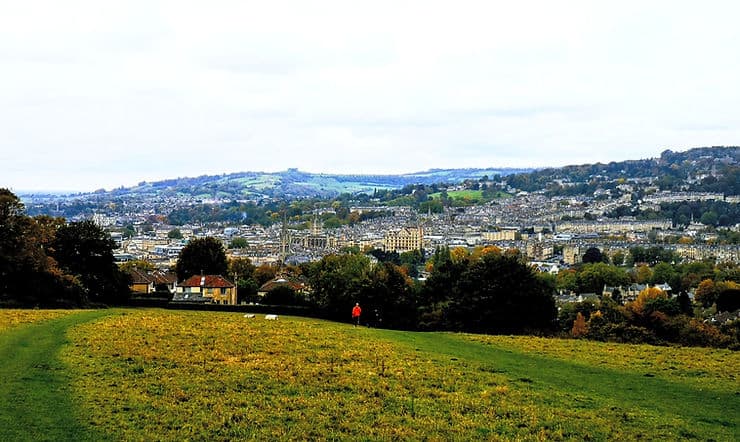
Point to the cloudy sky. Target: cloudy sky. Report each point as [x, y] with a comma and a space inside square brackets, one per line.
[100, 94]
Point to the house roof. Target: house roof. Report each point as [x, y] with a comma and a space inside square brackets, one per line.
[280, 281]
[139, 276]
[210, 281]
[164, 277]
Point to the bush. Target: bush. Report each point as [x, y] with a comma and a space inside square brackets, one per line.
[282, 295]
[728, 300]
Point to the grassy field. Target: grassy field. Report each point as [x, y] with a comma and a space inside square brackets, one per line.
[472, 195]
[35, 392]
[167, 375]
[10, 318]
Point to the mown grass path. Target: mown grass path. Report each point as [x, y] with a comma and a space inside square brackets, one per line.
[637, 393]
[35, 401]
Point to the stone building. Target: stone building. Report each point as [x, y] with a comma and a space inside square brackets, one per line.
[404, 239]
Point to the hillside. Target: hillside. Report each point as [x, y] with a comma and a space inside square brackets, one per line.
[710, 169]
[707, 169]
[174, 375]
[250, 195]
[294, 183]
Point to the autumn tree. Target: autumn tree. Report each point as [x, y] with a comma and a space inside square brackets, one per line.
[44, 261]
[706, 293]
[643, 274]
[579, 326]
[13, 254]
[479, 251]
[570, 311]
[459, 254]
[641, 305]
[264, 273]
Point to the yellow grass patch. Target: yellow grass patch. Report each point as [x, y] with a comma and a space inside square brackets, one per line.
[14, 317]
[698, 365]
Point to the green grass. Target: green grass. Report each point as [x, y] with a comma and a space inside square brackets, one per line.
[676, 409]
[169, 375]
[35, 389]
[468, 194]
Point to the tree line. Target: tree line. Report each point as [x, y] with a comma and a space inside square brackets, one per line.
[45, 261]
[487, 290]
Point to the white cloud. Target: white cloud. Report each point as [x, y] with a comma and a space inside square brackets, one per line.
[103, 94]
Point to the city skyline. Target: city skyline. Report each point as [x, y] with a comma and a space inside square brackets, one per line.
[96, 95]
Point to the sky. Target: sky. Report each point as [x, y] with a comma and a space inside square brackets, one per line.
[102, 94]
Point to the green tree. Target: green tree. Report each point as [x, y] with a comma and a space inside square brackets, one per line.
[728, 297]
[500, 293]
[238, 243]
[566, 281]
[709, 218]
[174, 234]
[129, 231]
[243, 272]
[282, 295]
[141, 264]
[338, 282]
[618, 258]
[411, 260]
[85, 250]
[201, 256]
[389, 298]
[664, 272]
[593, 255]
[592, 278]
[241, 268]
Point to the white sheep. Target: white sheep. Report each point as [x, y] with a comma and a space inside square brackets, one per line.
[271, 317]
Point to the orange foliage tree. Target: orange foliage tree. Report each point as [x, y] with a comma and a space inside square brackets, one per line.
[579, 326]
[645, 296]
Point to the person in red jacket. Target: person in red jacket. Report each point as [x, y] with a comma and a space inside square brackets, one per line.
[356, 312]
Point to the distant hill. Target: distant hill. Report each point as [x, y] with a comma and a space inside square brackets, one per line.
[704, 169]
[294, 183]
[709, 169]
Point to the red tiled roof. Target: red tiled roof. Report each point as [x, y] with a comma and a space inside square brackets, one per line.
[211, 281]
